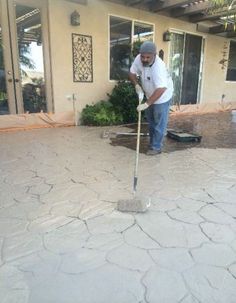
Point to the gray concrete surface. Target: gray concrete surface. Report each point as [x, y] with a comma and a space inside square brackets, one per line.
[62, 240]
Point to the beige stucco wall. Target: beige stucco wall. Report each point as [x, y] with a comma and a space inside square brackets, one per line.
[94, 22]
[61, 54]
[214, 77]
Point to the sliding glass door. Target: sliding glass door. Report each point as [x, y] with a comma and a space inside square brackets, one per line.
[186, 67]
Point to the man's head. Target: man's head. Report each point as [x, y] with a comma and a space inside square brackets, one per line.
[147, 53]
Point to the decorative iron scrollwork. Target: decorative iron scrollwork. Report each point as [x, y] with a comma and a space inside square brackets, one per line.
[82, 58]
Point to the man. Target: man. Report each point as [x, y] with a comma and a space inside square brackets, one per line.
[158, 88]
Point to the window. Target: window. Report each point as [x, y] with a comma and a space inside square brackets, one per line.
[125, 39]
[231, 71]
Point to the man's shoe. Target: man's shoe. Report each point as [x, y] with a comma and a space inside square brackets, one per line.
[153, 152]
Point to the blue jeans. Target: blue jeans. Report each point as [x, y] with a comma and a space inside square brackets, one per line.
[157, 116]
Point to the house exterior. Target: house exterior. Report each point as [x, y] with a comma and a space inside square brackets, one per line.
[78, 49]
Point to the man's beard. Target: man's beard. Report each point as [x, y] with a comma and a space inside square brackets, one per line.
[145, 63]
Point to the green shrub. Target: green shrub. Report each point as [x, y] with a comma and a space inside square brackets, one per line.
[124, 100]
[119, 109]
[100, 114]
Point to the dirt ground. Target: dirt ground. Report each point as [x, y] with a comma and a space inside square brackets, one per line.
[216, 129]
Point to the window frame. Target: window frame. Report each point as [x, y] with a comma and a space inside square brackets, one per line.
[227, 69]
[132, 20]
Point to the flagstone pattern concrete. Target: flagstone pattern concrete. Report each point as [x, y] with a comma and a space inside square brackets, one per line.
[63, 241]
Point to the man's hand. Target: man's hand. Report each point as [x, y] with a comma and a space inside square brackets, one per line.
[142, 107]
[139, 92]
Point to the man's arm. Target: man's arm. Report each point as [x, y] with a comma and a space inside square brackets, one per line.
[156, 95]
[139, 91]
[133, 78]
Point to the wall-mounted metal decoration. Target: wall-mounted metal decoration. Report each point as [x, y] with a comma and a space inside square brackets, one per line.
[161, 54]
[82, 58]
[223, 61]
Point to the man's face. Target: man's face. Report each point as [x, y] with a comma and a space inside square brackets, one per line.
[147, 58]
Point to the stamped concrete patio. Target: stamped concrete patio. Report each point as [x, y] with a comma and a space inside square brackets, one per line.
[62, 240]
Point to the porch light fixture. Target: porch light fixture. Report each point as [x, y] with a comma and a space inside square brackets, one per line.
[167, 36]
[75, 18]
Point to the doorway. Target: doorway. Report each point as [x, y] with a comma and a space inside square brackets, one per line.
[186, 67]
[23, 53]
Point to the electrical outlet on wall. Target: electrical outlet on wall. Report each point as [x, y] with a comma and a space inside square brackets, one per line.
[72, 97]
[69, 97]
